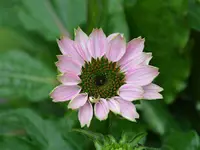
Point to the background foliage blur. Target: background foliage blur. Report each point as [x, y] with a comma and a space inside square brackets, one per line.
[29, 120]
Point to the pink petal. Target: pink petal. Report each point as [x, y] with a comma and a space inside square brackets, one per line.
[128, 110]
[137, 60]
[97, 44]
[67, 47]
[131, 92]
[68, 64]
[101, 109]
[134, 46]
[151, 91]
[69, 79]
[114, 106]
[64, 92]
[142, 76]
[81, 40]
[85, 114]
[153, 87]
[78, 101]
[116, 48]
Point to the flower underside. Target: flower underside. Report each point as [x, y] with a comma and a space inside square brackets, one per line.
[101, 78]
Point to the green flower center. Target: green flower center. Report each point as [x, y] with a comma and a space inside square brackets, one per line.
[101, 78]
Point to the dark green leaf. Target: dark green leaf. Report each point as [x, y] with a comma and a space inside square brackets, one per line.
[193, 14]
[158, 117]
[182, 141]
[164, 26]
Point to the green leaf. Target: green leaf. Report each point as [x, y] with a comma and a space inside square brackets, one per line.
[23, 76]
[73, 13]
[165, 29]
[158, 117]
[41, 17]
[13, 143]
[37, 131]
[116, 18]
[182, 141]
[108, 15]
[193, 14]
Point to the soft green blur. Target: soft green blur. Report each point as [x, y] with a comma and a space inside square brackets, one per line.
[29, 120]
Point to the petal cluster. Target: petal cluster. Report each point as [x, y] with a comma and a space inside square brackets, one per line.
[133, 62]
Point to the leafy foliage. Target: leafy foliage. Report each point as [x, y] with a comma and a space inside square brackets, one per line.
[28, 49]
[24, 77]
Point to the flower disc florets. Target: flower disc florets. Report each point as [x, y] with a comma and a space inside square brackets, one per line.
[101, 78]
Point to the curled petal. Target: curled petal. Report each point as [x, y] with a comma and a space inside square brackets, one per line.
[142, 76]
[131, 92]
[101, 109]
[111, 36]
[81, 40]
[134, 46]
[67, 47]
[64, 92]
[116, 48]
[78, 101]
[85, 114]
[114, 106]
[138, 60]
[69, 78]
[97, 44]
[127, 110]
[68, 64]
[151, 91]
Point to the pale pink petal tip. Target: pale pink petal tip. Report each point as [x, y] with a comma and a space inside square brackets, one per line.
[116, 48]
[151, 92]
[97, 43]
[85, 114]
[64, 93]
[114, 106]
[131, 92]
[128, 110]
[101, 109]
[78, 101]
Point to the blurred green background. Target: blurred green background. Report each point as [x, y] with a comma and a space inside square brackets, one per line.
[29, 120]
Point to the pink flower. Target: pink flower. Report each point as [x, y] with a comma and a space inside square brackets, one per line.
[104, 73]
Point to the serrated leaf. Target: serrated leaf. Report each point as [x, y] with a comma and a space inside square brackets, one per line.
[23, 76]
[164, 27]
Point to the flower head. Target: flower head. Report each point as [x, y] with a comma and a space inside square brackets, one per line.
[104, 73]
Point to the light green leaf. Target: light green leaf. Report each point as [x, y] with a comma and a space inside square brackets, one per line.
[117, 19]
[164, 27]
[73, 13]
[23, 76]
[40, 16]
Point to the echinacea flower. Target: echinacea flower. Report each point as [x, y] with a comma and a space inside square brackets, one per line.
[104, 73]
